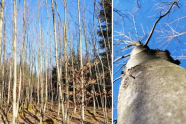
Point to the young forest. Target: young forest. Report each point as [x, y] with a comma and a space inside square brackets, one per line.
[55, 61]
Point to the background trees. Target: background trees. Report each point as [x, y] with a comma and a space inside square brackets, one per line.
[52, 40]
[138, 20]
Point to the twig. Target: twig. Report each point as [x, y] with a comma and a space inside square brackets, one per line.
[122, 49]
[177, 20]
[119, 69]
[117, 79]
[138, 4]
[121, 57]
[157, 22]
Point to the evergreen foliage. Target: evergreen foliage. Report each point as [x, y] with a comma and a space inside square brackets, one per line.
[106, 11]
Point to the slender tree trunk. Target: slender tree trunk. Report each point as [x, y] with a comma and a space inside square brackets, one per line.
[51, 88]
[1, 38]
[66, 64]
[106, 49]
[60, 66]
[9, 81]
[15, 63]
[81, 66]
[87, 52]
[1, 23]
[41, 64]
[56, 56]
[21, 61]
[73, 81]
[4, 48]
[46, 82]
[103, 72]
[107, 28]
[103, 79]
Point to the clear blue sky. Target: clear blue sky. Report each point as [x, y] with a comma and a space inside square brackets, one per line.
[145, 18]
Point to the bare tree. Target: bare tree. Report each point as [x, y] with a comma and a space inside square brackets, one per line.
[81, 66]
[14, 109]
[1, 38]
[1, 23]
[56, 56]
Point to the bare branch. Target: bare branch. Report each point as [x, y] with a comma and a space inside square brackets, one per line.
[134, 25]
[177, 20]
[138, 4]
[121, 57]
[119, 69]
[117, 79]
[158, 21]
[123, 49]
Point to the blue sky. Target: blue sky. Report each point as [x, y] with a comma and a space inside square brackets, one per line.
[145, 18]
[33, 28]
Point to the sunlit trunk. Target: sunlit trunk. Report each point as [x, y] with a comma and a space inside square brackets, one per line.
[152, 90]
[14, 63]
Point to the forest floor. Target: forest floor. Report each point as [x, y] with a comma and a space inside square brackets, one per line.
[51, 117]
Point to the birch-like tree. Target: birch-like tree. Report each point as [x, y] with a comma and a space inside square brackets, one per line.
[14, 108]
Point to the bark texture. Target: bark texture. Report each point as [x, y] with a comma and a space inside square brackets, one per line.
[153, 90]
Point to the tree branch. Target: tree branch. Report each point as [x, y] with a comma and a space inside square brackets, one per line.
[121, 57]
[177, 20]
[119, 69]
[158, 21]
[117, 79]
[123, 48]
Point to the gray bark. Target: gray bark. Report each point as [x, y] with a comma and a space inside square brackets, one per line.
[1, 23]
[152, 90]
[81, 67]
[56, 58]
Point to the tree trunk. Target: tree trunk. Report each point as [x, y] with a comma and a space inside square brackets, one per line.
[81, 66]
[46, 78]
[1, 38]
[14, 63]
[21, 60]
[1, 23]
[56, 56]
[66, 64]
[152, 90]
[73, 77]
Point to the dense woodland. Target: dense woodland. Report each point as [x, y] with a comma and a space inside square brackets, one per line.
[55, 56]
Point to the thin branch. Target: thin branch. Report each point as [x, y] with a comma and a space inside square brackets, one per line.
[157, 22]
[135, 26]
[178, 34]
[177, 20]
[58, 13]
[117, 79]
[122, 49]
[121, 57]
[47, 3]
[120, 13]
[119, 69]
